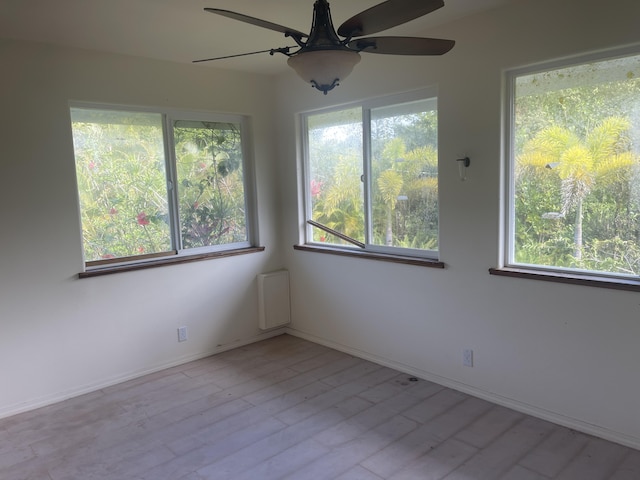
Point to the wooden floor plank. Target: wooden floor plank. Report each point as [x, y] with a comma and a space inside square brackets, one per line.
[288, 408]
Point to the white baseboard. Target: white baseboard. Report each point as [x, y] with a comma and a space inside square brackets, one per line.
[104, 383]
[565, 421]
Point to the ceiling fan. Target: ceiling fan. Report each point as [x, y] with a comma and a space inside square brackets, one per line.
[324, 59]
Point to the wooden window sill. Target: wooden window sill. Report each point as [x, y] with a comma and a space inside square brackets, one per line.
[161, 262]
[384, 257]
[569, 278]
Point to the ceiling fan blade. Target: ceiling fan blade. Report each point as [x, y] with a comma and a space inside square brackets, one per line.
[386, 15]
[402, 45]
[270, 51]
[258, 22]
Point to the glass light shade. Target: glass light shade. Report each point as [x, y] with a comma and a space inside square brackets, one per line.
[324, 68]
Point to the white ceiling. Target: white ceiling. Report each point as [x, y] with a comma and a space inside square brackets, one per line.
[180, 31]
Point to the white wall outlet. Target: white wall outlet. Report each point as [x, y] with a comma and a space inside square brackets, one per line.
[182, 334]
[467, 357]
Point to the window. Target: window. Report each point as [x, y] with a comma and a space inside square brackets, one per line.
[372, 176]
[155, 184]
[574, 170]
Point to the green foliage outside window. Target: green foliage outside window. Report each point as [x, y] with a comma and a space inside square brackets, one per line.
[121, 170]
[210, 185]
[404, 176]
[405, 190]
[576, 172]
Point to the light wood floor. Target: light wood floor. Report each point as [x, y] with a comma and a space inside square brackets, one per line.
[288, 408]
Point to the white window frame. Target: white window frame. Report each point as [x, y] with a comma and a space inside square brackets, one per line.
[507, 265]
[429, 93]
[178, 252]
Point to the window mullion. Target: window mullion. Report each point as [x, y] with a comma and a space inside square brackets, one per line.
[172, 184]
[366, 165]
[307, 203]
[508, 255]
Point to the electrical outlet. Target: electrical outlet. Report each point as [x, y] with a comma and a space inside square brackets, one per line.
[182, 334]
[467, 357]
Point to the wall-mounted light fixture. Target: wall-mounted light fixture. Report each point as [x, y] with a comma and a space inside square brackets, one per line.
[463, 164]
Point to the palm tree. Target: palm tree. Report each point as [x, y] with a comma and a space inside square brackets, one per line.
[390, 185]
[341, 206]
[580, 163]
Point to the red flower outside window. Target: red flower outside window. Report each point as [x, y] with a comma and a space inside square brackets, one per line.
[142, 219]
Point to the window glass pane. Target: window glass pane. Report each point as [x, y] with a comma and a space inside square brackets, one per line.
[120, 167]
[335, 170]
[404, 166]
[576, 175]
[210, 186]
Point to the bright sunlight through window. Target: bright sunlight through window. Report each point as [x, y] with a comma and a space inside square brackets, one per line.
[154, 184]
[574, 197]
[372, 176]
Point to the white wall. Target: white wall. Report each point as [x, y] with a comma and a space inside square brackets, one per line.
[60, 336]
[563, 352]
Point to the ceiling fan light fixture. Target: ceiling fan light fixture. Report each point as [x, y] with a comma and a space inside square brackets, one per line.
[324, 59]
[324, 69]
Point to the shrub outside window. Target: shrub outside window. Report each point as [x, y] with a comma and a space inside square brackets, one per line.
[371, 175]
[574, 170]
[154, 184]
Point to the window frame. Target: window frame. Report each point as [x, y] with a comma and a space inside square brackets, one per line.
[372, 251]
[506, 265]
[178, 254]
